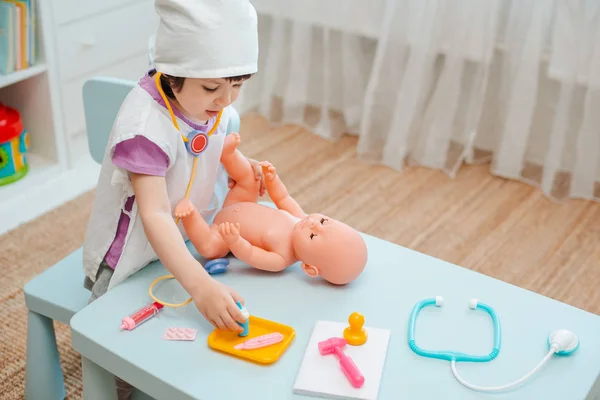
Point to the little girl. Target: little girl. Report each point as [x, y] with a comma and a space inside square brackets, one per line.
[204, 51]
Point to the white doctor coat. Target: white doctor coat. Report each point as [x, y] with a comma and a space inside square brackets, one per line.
[140, 114]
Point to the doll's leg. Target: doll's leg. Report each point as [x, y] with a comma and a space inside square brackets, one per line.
[239, 169]
[206, 239]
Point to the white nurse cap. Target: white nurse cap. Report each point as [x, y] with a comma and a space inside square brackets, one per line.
[206, 38]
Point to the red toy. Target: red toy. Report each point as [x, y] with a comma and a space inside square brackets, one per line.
[140, 316]
[14, 143]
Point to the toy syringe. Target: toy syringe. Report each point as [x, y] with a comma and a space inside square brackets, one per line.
[140, 316]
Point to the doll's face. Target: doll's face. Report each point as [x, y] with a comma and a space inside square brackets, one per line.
[329, 248]
[312, 235]
[202, 99]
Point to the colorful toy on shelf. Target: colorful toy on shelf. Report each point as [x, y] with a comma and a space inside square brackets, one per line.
[355, 334]
[14, 143]
[273, 239]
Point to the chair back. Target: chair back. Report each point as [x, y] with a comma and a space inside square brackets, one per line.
[102, 99]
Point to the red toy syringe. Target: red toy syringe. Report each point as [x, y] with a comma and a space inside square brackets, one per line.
[140, 316]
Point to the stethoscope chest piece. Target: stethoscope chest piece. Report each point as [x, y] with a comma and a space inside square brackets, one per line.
[563, 342]
[216, 266]
[197, 142]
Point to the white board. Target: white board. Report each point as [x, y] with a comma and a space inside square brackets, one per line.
[322, 376]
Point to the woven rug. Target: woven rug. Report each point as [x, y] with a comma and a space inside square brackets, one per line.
[24, 253]
[500, 228]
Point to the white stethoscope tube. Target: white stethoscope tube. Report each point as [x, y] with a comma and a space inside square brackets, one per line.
[503, 387]
[562, 342]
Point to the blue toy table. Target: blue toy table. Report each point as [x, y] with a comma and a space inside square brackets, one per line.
[395, 279]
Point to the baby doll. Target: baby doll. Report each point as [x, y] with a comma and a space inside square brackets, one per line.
[273, 239]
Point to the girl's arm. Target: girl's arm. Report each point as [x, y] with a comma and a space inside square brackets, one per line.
[214, 300]
[162, 233]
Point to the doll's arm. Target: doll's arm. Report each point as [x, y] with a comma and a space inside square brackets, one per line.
[257, 257]
[251, 255]
[278, 192]
[290, 205]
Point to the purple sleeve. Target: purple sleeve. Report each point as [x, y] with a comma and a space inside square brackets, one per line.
[141, 156]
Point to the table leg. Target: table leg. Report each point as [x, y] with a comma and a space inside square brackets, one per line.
[594, 393]
[98, 383]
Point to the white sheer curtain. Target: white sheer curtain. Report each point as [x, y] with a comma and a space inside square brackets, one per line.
[515, 83]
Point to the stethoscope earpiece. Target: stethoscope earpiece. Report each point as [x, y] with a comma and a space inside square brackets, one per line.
[473, 304]
[439, 302]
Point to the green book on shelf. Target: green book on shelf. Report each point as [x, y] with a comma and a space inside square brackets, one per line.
[7, 38]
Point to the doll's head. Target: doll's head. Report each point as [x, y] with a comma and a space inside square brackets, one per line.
[329, 248]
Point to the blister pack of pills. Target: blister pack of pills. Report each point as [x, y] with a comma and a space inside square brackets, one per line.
[180, 334]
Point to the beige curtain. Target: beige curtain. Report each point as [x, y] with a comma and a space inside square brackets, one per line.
[514, 83]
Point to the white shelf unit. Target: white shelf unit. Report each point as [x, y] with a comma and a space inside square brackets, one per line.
[76, 40]
[19, 76]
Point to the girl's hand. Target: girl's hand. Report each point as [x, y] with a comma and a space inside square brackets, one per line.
[217, 303]
[258, 174]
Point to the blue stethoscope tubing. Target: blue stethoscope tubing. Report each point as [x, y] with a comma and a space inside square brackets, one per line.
[561, 342]
[452, 355]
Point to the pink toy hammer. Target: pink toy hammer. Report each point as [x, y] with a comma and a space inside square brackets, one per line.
[335, 345]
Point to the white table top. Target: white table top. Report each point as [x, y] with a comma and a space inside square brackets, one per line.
[394, 280]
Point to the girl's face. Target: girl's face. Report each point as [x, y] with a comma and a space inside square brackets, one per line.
[202, 99]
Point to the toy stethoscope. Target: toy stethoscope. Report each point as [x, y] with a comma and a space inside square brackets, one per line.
[560, 342]
[196, 142]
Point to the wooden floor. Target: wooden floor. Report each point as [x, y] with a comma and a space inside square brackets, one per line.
[498, 227]
[501, 228]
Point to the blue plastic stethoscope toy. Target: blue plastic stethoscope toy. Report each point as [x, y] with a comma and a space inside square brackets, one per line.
[561, 342]
[216, 266]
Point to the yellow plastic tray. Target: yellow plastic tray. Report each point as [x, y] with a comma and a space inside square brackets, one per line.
[224, 341]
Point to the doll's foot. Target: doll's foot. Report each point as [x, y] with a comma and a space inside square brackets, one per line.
[184, 208]
[268, 170]
[231, 143]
